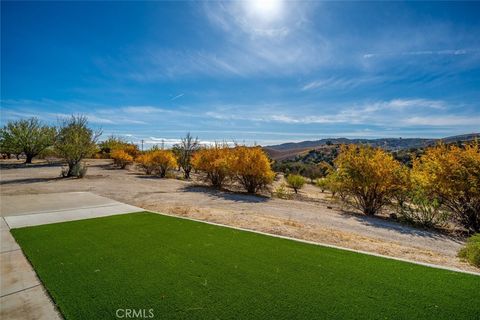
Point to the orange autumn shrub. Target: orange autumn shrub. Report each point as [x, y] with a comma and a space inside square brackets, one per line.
[250, 166]
[157, 162]
[145, 162]
[131, 149]
[215, 163]
[121, 158]
[163, 160]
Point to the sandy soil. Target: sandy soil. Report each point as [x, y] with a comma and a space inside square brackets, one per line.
[310, 216]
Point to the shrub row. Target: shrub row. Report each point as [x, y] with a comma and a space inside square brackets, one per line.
[249, 166]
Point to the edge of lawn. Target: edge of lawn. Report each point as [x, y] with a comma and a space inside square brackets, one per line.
[322, 244]
[426, 264]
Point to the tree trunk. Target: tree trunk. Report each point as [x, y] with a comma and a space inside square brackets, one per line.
[71, 167]
[471, 220]
[162, 172]
[29, 158]
[186, 173]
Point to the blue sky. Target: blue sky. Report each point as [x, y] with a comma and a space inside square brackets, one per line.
[253, 71]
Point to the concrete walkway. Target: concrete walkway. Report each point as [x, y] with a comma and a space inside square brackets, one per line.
[22, 295]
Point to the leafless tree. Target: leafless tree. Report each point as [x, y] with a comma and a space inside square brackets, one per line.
[184, 151]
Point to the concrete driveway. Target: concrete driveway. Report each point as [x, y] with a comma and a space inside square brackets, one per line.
[22, 295]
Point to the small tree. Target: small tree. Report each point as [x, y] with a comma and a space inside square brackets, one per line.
[163, 160]
[452, 175]
[215, 162]
[370, 176]
[296, 182]
[29, 136]
[75, 141]
[184, 151]
[251, 167]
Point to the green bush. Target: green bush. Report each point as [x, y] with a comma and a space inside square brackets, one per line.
[281, 192]
[295, 182]
[471, 251]
[419, 209]
[322, 183]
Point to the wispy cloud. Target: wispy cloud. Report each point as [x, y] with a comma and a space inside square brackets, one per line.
[392, 113]
[177, 96]
[143, 109]
[369, 118]
[445, 121]
[245, 45]
[456, 52]
[340, 83]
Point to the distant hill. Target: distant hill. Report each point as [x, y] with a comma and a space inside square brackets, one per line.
[291, 150]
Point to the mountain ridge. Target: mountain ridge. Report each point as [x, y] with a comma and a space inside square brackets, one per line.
[388, 143]
[291, 150]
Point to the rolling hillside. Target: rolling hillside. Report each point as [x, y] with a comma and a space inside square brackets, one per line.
[291, 150]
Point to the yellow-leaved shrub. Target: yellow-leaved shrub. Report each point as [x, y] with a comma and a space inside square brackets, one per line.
[370, 177]
[163, 160]
[145, 162]
[121, 158]
[215, 162]
[452, 175]
[157, 162]
[251, 167]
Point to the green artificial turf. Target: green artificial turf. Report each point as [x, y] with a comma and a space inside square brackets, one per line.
[189, 270]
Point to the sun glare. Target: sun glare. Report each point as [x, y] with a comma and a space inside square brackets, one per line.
[265, 9]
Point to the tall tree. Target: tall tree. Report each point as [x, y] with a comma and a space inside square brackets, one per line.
[184, 151]
[29, 136]
[75, 141]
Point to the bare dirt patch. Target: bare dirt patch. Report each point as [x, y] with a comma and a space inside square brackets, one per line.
[316, 219]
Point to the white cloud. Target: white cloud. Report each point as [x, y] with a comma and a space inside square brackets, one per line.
[395, 113]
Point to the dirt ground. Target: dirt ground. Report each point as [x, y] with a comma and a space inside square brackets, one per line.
[310, 216]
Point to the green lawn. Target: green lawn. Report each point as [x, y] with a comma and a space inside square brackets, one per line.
[189, 270]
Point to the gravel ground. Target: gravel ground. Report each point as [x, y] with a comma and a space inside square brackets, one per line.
[312, 216]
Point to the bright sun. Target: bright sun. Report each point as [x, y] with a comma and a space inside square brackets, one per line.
[265, 9]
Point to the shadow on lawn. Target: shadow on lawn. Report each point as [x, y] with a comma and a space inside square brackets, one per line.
[383, 223]
[226, 194]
